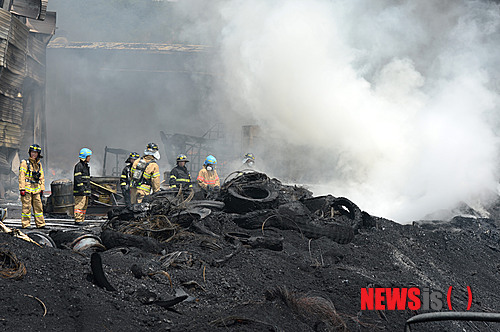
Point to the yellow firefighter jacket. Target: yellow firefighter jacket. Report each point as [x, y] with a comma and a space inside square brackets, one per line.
[208, 178]
[27, 176]
[151, 177]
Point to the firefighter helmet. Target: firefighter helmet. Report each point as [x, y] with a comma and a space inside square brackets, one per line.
[36, 148]
[152, 147]
[249, 160]
[182, 157]
[152, 150]
[84, 153]
[249, 156]
[133, 155]
[210, 160]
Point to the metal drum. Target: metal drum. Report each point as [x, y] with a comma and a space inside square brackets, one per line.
[62, 196]
[87, 241]
[41, 238]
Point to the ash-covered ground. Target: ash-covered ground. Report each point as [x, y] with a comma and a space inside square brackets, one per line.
[287, 262]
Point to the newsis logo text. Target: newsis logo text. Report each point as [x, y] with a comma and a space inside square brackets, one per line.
[411, 298]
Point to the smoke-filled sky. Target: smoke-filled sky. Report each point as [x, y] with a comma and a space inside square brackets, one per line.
[393, 104]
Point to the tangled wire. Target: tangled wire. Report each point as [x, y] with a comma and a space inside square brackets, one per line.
[155, 223]
[158, 227]
[10, 266]
[168, 202]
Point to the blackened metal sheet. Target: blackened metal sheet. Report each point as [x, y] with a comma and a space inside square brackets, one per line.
[36, 49]
[15, 60]
[35, 70]
[5, 18]
[43, 10]
[10, 135]
[18, 34]
[47, 26]
[3, 51]
[12, 110]
[4, 164]
[26, 8]
[15, 116]
[10, 121]
[10, 83]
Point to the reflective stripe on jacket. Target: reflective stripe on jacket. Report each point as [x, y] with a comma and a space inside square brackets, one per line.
[126, 175]
[81, 183]
[208, 178]
[26, 180]
[180, 177]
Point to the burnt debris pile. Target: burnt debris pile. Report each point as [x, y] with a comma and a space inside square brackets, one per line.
[257, 255]
[249, 201]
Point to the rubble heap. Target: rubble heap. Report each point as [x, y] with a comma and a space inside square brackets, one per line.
[259, 256]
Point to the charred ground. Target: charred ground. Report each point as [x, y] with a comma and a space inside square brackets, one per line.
[268, 269]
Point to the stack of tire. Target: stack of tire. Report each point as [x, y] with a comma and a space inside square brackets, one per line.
[249, 192]
[257, 200]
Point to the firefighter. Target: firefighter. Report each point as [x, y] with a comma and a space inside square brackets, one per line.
[180, 179]
[31, 187]
[126, 177]
[249, 160]
[81, 185]
[145, 174]
[208, 180]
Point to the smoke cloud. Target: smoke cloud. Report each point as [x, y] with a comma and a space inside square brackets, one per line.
[121, 98]
[393, 104]
[398, 99]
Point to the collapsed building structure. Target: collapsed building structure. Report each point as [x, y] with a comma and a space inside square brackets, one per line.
[25, 30]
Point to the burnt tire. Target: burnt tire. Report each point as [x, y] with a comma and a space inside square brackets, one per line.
[255, 219]
[318, 205]
[358, 219]
[251, 197]
[111, 239]
[346, 208]
[213, 205]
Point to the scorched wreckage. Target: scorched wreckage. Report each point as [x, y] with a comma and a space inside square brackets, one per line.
[258, 256]
[243, 252]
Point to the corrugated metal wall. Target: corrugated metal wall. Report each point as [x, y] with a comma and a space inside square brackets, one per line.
[22, 84]
[13, 45]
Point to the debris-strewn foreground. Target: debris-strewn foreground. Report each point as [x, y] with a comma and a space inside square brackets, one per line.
[201, 266]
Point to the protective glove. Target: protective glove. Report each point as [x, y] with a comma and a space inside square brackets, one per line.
[41, 193]
[22, 192]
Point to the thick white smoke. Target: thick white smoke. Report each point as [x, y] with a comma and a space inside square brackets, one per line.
[399, 99]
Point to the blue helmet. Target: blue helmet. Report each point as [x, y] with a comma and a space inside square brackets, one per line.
[210, 160]
[84, 153]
